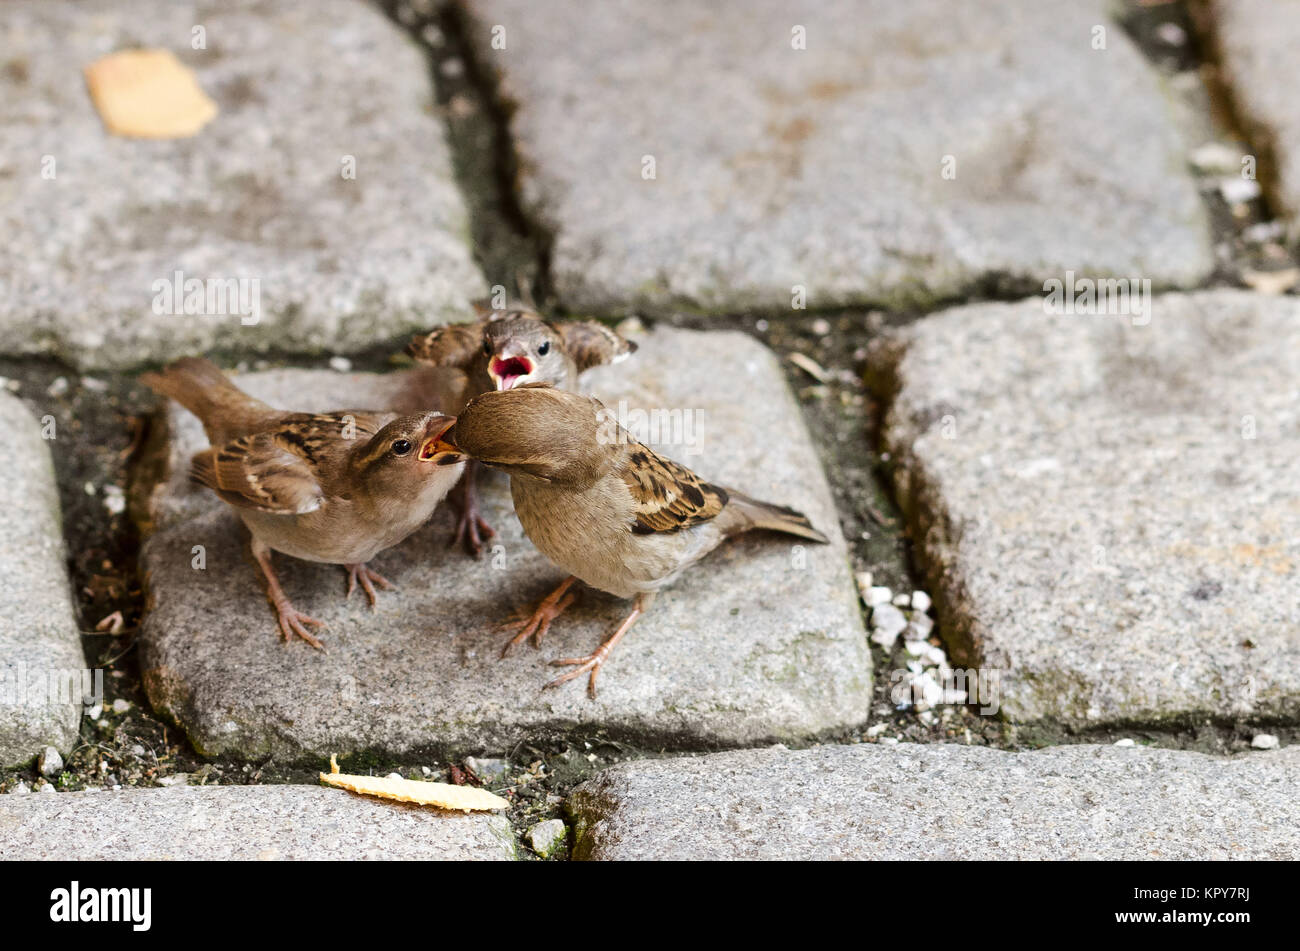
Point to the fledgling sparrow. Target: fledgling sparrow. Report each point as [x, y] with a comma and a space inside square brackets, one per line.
[602, 506]
[333, 487]
[508, 348]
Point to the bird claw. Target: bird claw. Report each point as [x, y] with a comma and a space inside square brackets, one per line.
[536, 624]
[292, 624]
[472, 532]
[591, 663]
[368, 579]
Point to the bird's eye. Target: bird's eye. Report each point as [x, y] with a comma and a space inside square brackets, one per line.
[401, 447]
[544, 349]
[487, 348]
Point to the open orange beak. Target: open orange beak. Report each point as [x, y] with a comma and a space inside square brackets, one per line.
[439, 443]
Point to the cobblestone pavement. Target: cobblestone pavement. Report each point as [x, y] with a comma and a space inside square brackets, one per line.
[1006, 291]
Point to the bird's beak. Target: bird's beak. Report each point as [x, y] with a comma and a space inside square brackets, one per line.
[507, 372]
[438, 445]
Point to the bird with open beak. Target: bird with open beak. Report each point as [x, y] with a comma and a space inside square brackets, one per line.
[504, 349]
[603, 507]
[333, 487]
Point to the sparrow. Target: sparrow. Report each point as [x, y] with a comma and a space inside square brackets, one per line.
[608, 510]
[336, 488]
[504, 349]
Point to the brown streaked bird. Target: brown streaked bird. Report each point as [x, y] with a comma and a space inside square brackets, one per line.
[333, 487]
[508, 348]
[606, 509]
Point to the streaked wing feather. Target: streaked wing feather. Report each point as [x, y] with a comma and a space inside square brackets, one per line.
[592, 344]
[456, 345]
[668, 496]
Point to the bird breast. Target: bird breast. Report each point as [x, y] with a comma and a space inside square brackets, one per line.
[588, 534]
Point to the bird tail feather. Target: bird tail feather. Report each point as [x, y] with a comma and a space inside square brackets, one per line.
[199, 386]
[776, 518]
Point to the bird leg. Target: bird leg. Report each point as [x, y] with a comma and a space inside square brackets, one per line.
[539, 622]
[368, 581]
[291, 620]
[471, 530]
[593, 662]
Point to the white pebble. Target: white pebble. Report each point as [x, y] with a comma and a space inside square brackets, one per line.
[920, 601]
[394, 776]
[341, 364]
[902, 600]
[1236, 190]
[879, 595]
[1217, 158]
[121, 706]
[921, 626]
[821, 326]
[888, 621]
[49, 763]
[1265, 741]
[885, 639]
[1125, 742]
[59, 386]
[47, 788]
[22, 789]
[114, 499]
[1171, 34]
[875, 731]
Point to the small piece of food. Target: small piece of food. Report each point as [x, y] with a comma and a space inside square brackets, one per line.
[148, 94]
[443, 795]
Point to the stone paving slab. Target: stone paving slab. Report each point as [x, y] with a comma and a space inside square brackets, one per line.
[257, 195]
[750, 648]
[1109, 514]
[825, 167]
[1257, 42]
[40, 650]
[942, 801]
[215, 823]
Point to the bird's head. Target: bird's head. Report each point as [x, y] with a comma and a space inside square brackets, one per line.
[536, 431]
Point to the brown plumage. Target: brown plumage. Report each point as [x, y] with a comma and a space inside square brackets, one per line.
[508, 348]
[608, 510]
[328, 487]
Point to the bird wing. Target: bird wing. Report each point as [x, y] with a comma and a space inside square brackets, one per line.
[456, 345]
[592, 344]
[667, 496]
[281, 470]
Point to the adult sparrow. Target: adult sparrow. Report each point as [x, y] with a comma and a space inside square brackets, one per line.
[608, 510]
[508, 348]
[333, 487]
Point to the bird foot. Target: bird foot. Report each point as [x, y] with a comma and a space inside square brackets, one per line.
[368, 580]
[538, 623]
[581, 665]
[472, 532]
[293, 623]
[592, 662]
